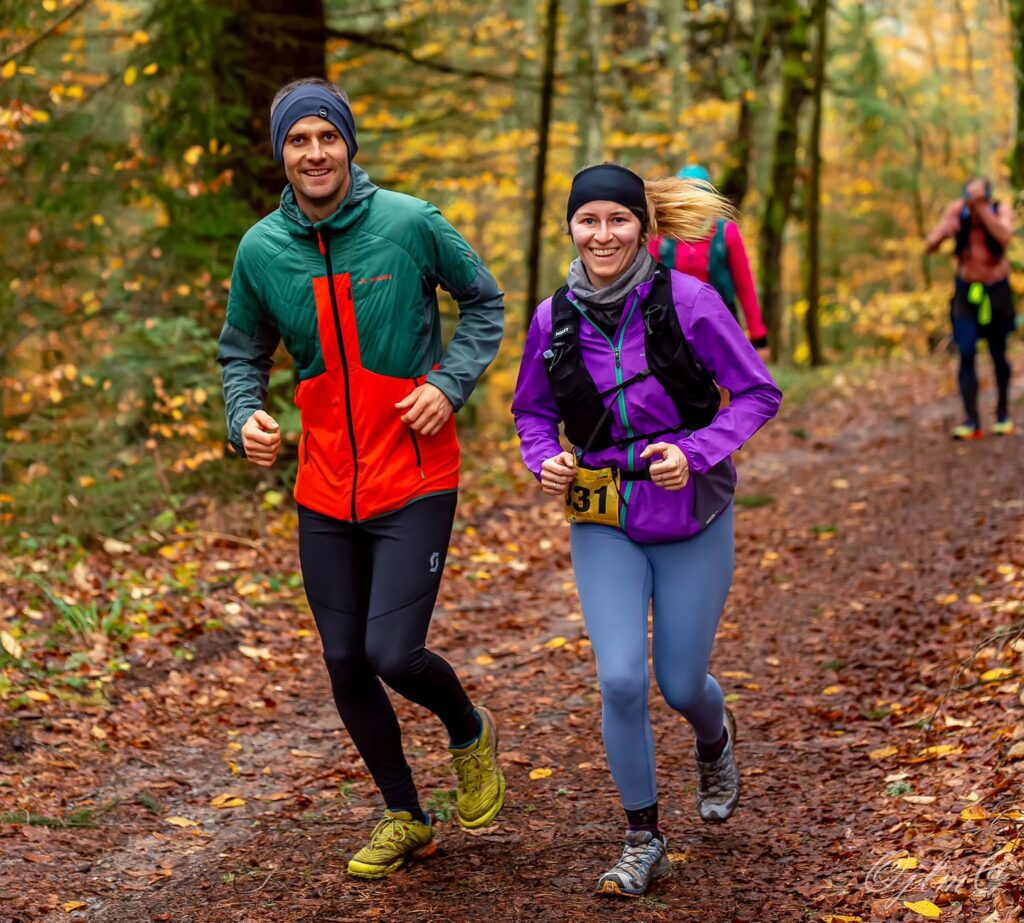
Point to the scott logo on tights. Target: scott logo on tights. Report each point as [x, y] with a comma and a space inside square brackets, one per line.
[435, 561]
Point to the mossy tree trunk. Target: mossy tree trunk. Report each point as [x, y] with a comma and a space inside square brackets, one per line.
[547, 92]
[814, 184]
[792, 30]
[1017, 152]
[735, 181]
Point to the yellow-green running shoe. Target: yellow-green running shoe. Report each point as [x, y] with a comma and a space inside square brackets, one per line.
[394, 840]
[967, 431]
[1002, 428]
[480, 790]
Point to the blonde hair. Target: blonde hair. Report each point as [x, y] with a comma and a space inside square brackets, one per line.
[684, 209]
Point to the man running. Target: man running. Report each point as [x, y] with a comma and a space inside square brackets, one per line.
[982, 306]
[346, 274]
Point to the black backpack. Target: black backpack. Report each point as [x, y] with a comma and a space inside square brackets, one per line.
[670, 359]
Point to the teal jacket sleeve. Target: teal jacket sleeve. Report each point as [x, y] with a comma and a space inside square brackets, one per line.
[245, 349]
[459, 271]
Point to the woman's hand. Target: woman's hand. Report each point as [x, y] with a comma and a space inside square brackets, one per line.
[556, 473]
[673, 470]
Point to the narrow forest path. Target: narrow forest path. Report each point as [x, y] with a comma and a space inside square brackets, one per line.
[873, 556]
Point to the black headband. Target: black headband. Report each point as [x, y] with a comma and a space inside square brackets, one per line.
[608, 182]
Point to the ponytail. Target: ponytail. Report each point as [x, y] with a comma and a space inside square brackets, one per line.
[684, 209]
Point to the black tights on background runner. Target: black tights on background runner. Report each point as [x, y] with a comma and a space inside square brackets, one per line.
[372, 587]
[967, 330]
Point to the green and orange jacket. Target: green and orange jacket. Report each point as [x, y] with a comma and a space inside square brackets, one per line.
[354, 299]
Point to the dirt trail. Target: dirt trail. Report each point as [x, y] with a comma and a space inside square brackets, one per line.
[857, 515]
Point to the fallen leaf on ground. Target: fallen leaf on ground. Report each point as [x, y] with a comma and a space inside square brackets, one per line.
[11, 645]
[952, 722]
[181, 822]
[974, 812]
[254, 653]
[227, 801]
[925, 908]
[540, 773]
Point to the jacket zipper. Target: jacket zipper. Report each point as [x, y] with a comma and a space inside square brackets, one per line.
[627, 493]
[617, 353]
[415, 442]
[325, 250]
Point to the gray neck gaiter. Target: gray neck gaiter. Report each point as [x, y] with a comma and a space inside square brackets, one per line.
[606, 304]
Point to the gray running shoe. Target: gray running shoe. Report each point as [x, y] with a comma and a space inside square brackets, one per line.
[718, 788]
[643, 860]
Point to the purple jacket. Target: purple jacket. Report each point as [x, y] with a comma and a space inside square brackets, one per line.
[652, 513]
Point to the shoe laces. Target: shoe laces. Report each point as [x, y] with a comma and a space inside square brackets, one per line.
[638, 858]
[717, 776]
[389, 830]
[470, 768]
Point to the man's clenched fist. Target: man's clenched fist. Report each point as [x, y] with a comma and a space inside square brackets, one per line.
[261, 439]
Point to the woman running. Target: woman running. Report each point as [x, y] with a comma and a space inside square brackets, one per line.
[720, 257]
[628, 356]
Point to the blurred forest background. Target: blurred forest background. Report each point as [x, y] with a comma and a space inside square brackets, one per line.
[134, 154]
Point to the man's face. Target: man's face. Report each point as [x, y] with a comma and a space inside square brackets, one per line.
[316, 163]
[976, 190]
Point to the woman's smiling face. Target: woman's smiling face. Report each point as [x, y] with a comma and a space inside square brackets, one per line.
[607, 236]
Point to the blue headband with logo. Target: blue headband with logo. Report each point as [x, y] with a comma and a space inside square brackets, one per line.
[307, 100]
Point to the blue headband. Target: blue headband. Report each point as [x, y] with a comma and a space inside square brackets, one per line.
[306, 100]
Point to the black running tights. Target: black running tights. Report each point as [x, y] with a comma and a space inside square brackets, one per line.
[372, 587]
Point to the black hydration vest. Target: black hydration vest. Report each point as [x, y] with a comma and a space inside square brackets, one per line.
[670, 360]
[962, 236]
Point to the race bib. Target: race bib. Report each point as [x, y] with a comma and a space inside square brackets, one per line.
[593, 496]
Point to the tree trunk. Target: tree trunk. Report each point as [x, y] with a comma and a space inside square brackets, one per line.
[587, 42]
[540, 169]
[284, 41]
[792, 26]
[1017, 152]
[676, 60]
[735, 181]
[225, 63]
[919, 218]
[814, 190]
